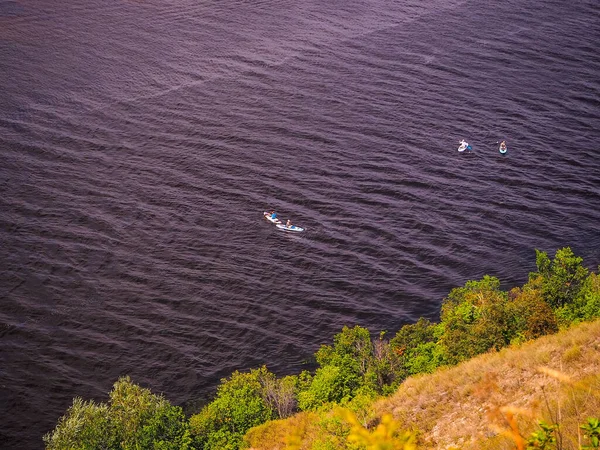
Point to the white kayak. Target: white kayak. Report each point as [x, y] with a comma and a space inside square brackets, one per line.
[290, 228]
[270, 218]
[502, 149]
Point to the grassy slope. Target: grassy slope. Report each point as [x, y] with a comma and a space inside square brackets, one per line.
[467, 406]
[464, 405]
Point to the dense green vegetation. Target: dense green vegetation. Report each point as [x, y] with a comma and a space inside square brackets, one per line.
[476, 318]
[134, 418]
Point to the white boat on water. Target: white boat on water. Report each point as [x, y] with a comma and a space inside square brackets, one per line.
[464, 145]
[272, 217]
[293, 228]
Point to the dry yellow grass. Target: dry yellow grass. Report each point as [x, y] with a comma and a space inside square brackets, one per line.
[490, 402]
[284, 434]
[469, 406]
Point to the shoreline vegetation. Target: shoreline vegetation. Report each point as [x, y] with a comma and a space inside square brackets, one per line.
[500, 370]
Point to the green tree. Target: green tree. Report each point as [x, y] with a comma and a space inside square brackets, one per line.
[86, 426]
[351, 344]
[354, 364]
[425, 358]
[585, 306]
[561, 277]
[327, 386]
[134, 418]
[417, 348]
[239, 405]
[144, 420]
[475, 319]
[350, 359]
[531, 315]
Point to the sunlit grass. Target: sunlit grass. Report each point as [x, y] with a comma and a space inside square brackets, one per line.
[473, 403]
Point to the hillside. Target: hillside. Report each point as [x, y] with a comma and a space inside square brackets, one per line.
[471, 405]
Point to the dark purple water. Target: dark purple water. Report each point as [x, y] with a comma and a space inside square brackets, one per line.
[141, 142]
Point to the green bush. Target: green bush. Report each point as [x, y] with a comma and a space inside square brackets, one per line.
[425, 358]
[561, 277]
[240, 404]
[354, 364]
[86, 425]
[134, 418]
[585, 306]
[417, 348]
[531, 315]
[591, 430]
[351, 344]
[343, 368]
[544, 438]
[475, 319]
[327, 386]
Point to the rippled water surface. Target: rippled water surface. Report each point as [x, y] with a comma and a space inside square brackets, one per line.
[141, 142]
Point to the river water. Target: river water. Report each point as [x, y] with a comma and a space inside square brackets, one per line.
[141, 142]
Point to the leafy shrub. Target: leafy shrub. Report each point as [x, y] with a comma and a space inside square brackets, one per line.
[585, 306]
[417, 348]
[134, 418]
[354, 364]
[531, 315]
[240, 404]
[543, 438]
[86, 425]
[350, 347]
[475, 319]
[328, 385]
[591, 431]
[561, 277]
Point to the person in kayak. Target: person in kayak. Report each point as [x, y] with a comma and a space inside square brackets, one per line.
[464, 145]
[288, 223]
[273, 215]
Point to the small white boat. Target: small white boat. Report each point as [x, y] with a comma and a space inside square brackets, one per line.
[272, 217]
[289, 228]
[503, 148]
[464, 145]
